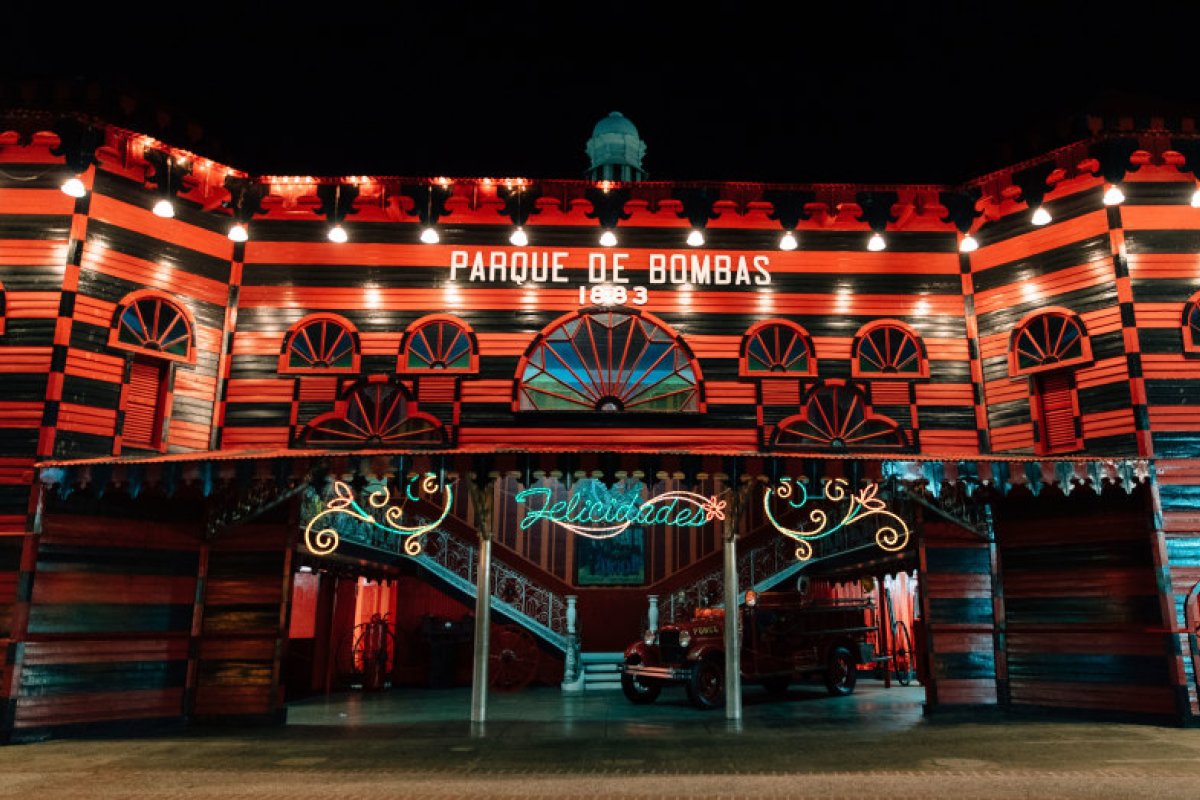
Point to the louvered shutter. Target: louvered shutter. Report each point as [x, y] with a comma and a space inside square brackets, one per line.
[780, 392]
[1058, 412]
[889, 393]
[436, 389]
[141, 405]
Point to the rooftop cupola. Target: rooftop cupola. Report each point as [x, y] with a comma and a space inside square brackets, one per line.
[616, 150]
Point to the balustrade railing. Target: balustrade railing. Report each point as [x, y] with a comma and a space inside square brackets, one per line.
[529, 604]
[770, 564]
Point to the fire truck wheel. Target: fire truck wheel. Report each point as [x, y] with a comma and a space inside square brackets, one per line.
[841, 674]
[639, 690]
[706, 686]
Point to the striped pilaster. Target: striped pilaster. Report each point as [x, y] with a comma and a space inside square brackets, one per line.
[61, 344]
[225, 358]
[1133, 348]
[977, 379]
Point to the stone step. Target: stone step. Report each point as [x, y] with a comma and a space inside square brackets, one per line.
[601, 671]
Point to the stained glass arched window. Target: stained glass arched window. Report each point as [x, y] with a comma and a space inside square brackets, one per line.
[608, 361]
[320, 343]
[153, 324]
[835, 416]
[374, 414]
[1191, 325]
[778, 348]
[439, 343]
[888, 348]
[1047, 340]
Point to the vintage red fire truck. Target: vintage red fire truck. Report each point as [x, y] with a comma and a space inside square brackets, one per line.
[786, 637]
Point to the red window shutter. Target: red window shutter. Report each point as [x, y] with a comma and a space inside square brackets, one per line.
[1058, 412]
[780, 392]
[436, 389]
[143, 420]
[318, 390]
[888, 393]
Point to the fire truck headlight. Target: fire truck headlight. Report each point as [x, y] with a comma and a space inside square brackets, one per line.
[685, 639]
[648, 638]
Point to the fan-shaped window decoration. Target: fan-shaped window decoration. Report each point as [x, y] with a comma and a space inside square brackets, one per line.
[1049, 340]
[321, 343]
[375, 414]
[836, 417]
[153, 324]
[777, 348]
[439, 343]
[888, 348]
[1191, 325]
[608, 361]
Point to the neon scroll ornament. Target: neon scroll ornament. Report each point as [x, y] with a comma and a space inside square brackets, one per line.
[864, 503]
[322, 541]
[604, 518]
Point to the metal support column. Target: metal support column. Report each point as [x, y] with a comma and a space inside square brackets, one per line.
[483, 621]
[733, 645]
[482, 497]
[736, 497]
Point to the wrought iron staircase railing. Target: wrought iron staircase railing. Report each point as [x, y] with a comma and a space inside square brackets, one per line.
[454, 562]
[774, 562]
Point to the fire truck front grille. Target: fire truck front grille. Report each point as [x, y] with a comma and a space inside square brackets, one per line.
[668, 645]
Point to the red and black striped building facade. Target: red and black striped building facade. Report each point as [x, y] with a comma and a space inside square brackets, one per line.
[1055, 369]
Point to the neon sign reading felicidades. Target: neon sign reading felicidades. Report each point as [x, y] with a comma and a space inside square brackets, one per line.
[604, 518]
[864, 503]
[322, 541]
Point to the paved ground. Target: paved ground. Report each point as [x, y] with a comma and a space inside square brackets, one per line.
[540, 744]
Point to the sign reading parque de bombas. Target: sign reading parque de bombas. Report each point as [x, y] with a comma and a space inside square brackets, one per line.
[609, 273]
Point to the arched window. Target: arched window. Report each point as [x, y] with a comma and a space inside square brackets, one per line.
[1047, 340]
[320, 343]
[374, 413]
[888, 348]
[1043, 346]
[439, 343]
[157, 332]
[153, 324]
[835, 416]
[608, 361]
[1191, 325]
[777, 348]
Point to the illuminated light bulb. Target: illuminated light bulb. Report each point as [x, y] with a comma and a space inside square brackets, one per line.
[876, 243]
[788, 241]
[1196, 199]
[430, 235]
[337, 235]
[608, 239]
[1041, 216]
[238, 233]
[695, 238]
[519, 238]
[1114, 196]
[164, 208]
[73, 187]
[969, 244]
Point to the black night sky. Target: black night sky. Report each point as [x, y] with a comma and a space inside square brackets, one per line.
[914, 92]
